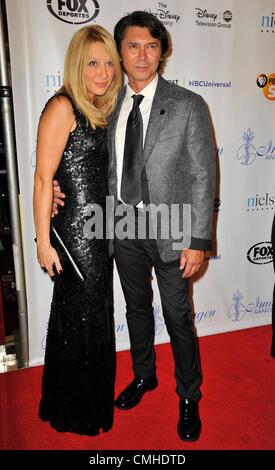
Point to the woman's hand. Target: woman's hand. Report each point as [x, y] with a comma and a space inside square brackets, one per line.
[47, 257]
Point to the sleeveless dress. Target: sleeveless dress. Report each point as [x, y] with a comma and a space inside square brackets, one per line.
[79, 371]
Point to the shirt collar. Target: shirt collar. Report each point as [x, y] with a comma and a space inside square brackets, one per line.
[147, 92]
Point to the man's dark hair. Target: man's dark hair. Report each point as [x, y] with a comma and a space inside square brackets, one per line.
[143, 20]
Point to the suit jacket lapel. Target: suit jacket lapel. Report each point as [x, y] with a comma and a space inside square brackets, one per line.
[158, 117]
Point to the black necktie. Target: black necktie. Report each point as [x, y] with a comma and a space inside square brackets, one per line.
[133, 159]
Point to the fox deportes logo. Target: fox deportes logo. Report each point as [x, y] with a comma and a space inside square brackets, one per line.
[260, 253]
[74, 11]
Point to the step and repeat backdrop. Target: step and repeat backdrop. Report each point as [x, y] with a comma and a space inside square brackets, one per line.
[223, 50]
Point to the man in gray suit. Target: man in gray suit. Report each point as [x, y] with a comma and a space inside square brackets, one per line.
[177, 169]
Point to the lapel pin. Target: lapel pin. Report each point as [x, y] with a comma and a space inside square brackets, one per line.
[162, 111]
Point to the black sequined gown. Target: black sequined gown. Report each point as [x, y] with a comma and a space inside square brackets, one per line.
[79, 370]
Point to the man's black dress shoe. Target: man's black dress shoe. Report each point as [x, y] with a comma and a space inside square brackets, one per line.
[189, 425]
[132, 394]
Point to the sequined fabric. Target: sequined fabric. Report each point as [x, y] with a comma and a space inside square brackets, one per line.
[79, 371]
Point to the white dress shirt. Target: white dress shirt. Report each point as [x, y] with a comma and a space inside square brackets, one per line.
[145, 108]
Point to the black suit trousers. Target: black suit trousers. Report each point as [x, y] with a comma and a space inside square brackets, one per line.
[135, 259]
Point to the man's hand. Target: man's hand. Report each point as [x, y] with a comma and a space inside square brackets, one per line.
[57, 198]
[191, 261]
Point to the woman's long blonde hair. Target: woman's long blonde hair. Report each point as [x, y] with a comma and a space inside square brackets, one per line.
[74, 80]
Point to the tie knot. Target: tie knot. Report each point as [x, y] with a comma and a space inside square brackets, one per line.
[137, 100]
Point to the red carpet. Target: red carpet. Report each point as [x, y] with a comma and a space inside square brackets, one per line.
[237, 408]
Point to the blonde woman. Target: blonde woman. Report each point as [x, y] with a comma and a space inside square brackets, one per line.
[79, 370]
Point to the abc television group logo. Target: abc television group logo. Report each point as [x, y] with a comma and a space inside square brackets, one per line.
[74, 11]
[213, 19]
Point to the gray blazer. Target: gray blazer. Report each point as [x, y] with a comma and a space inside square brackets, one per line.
[179, 164]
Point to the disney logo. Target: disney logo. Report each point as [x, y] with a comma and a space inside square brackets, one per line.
[163, 15]
[247, 153]
[204, 14]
